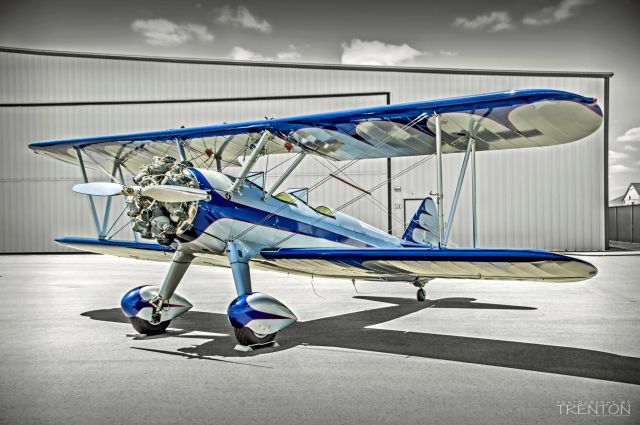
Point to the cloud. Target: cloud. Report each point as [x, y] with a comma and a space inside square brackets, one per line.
[632, 135]
[615, 156]
[241, 54]
[290, 56]
[493, 22]
[200, 31]
[241, 17]
[360, 52]
[630, 148]
[448, 53]
[554, 14]
[619, 168]
[162, 32]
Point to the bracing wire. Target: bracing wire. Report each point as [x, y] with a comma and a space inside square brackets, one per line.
[340, 170]
[357, 198]
[370, 197]
[116, 221]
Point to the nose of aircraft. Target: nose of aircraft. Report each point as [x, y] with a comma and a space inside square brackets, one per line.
[212, 180]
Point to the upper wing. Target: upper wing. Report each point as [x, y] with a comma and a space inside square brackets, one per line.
[408, 263]
[504, 120]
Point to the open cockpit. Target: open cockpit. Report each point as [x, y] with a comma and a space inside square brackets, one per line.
[296, 197]
[299, 197]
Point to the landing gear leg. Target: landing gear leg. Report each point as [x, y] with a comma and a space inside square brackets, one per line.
[255, 317]
[239, 258]
[154, 324]
[179, 265]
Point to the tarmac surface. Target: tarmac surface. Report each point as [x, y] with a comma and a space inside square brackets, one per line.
[477, 352]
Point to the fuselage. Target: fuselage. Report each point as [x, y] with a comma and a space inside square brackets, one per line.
[246, 216]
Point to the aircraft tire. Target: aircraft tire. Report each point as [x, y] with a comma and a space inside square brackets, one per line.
[144, 327]
[247, 337]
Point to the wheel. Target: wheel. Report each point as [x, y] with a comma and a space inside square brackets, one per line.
[421, 295]
[144, 327]
[246, 336]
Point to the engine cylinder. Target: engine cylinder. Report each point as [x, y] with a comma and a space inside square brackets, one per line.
[159, 220]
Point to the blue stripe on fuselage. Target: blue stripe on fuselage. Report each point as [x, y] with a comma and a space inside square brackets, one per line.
[219, 207]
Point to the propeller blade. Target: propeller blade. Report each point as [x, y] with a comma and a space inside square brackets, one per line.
[174, 193]
[99, 188]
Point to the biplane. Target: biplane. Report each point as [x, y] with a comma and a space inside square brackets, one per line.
[200, 213]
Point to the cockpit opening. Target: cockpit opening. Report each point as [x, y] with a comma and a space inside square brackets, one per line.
[285, 197]
[324, 210]
[300, 193]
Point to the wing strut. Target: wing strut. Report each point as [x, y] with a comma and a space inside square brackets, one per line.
[92, 204]
[469, 153]
[456, 194]
[246, 167]
[284, 175]
[472, 141]
[103, 229]
[440, 196]
[180, 147]
[445, 228]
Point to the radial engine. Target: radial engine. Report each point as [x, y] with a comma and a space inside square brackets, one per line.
[162, 221]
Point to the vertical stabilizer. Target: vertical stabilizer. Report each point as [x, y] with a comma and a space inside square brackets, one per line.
[423, 228]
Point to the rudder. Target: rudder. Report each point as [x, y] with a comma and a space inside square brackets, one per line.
[423, 228]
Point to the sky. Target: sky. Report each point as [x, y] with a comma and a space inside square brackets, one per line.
[572, 35]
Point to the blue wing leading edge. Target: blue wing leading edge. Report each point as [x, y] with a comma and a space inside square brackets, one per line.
[503, 120]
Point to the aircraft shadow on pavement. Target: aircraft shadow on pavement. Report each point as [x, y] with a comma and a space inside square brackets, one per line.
[350, 331]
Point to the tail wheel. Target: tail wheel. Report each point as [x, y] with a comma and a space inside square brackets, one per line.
[421, 295]
[144, 327]
[246, 336]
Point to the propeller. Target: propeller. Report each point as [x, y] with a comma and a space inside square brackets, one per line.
[99, 188]
[164, 193]
[167, 193]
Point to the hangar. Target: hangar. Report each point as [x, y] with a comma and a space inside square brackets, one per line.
[553, 198]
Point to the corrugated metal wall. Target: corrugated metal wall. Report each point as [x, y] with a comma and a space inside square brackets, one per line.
[551, 198]
[624, 223]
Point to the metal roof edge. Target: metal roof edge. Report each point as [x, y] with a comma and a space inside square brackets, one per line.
[201, 61]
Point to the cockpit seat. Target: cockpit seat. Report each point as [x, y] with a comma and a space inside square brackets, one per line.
[285, 197]
[324, 210]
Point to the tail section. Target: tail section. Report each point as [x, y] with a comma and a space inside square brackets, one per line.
[423, 228]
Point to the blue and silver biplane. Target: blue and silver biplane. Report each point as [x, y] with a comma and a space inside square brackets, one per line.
[201, 215]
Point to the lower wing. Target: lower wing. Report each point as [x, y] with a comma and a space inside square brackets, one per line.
[138, 250]
[404, 264]
[425, 263]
